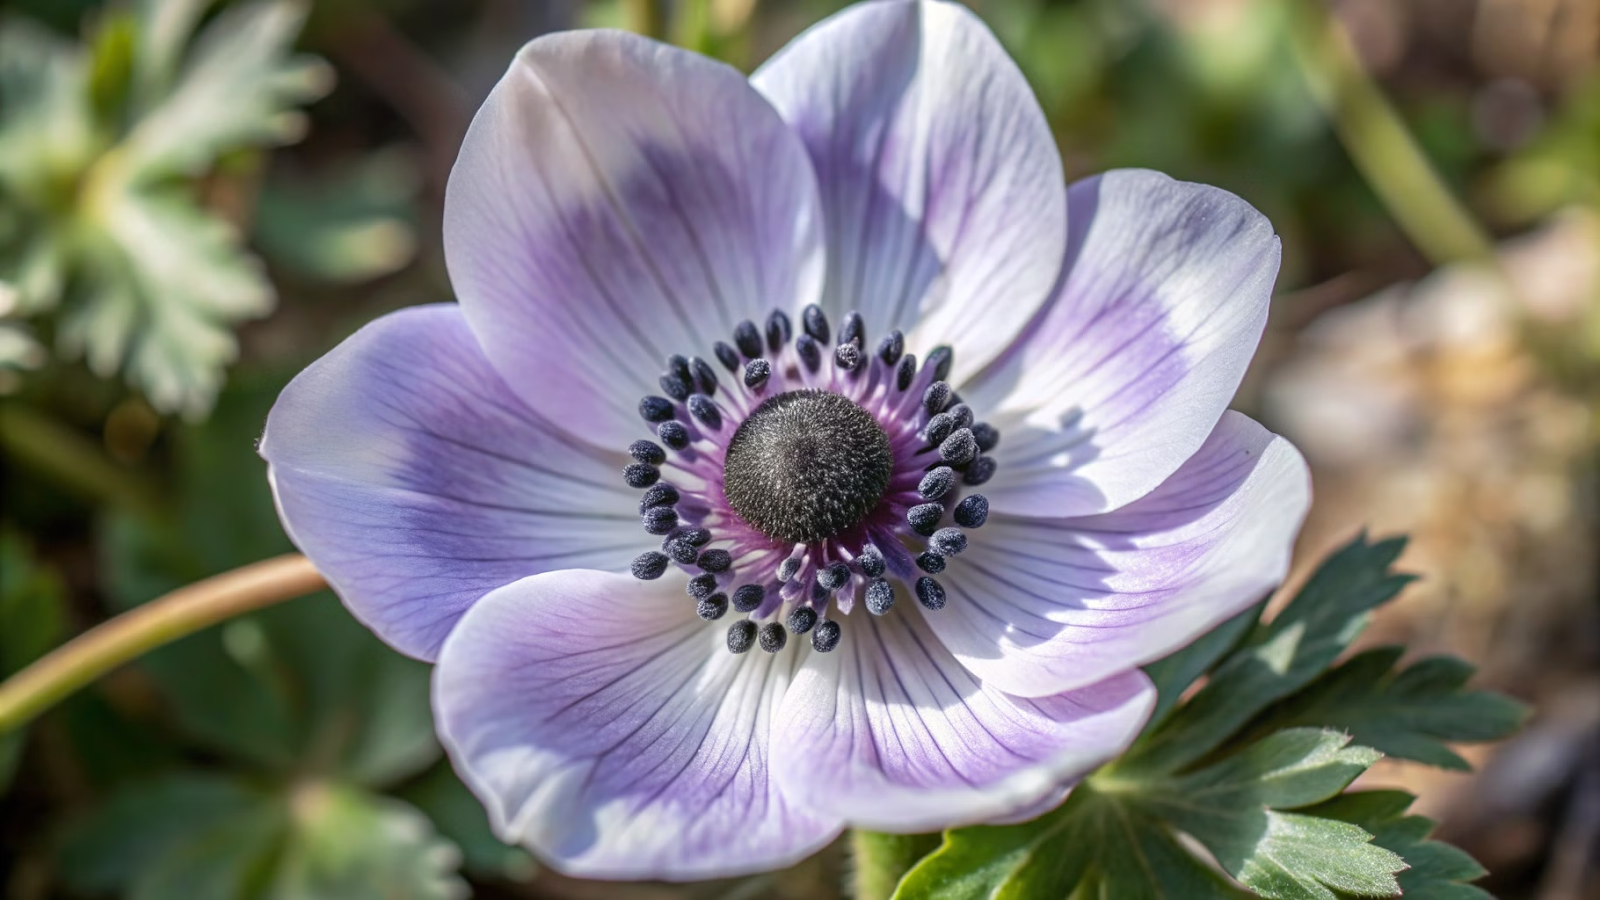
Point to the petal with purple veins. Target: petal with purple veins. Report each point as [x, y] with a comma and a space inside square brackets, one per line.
[891, 732]
[1124, 374]
[940, 180]
[416, 481]
[1039, 606]
[608, 729]
[617, 200]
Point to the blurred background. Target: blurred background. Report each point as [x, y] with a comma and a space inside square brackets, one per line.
[198, 198]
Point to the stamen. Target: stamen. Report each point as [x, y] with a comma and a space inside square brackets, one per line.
[726, 355]
[706, 413]
[815, 322]
[702, 586]
[852, 330]
[756, 374]
[674, 387]
[641, 476]
[712, 607]
[833, 577]
[959, 448]
[748, 339]
[940, 361]
[847, 357]
[948, 542]
[930, 562]
[972, 511]
[961, 414]
[810, 353]
[788, 568]
[659, 494]
[678, 367]
[826, 637]
[647, 452]
[705, 377]
[748, 597]
[924, 518]
[936, 397]
[936, 483]
[906, 371]
[891, 347]
[938, 428]
[987, 436]
[773, 637]
[721, 561]
[655, 409]
[778, 330]
[649, 566]
[871, 561]
[980, 471]
[660, 519]
[930, 593]
[880, 596]
[681, 551]
[801, 620]
[741, 636]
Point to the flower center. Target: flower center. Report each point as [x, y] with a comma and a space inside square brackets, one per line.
[807, 465]
[816, 480]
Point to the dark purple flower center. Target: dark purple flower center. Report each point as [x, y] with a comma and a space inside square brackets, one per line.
[818, 479]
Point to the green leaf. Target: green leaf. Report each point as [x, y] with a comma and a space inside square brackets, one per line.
[460, 817]
[1409, 713]
[1174, 674]
[1279, 657]
[1437, 871]
[350, 225]
[204, 836]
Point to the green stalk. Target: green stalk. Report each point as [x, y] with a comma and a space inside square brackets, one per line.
[881, 860]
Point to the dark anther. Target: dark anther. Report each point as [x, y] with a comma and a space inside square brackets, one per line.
[981, 470]
[647, 452]
[930, 593]
[802, 619]
[924, 518]
[773, 637]
[722, 560]
[806, 465]
[826, 637]
[959, 448]
[871, 561]
[705, 377]
[936, 483]
[962, 415]
[987, 436]
[852, 330]
[938, 428]
[972, 511]
[649, 566]
[681, 550]
[674, 387]
[748, 339]
[678, 364]
[673, 434]
[706, 413]
[880, 596]
[726, 355]
[748, 596]
[936, 397]
[810, 352]
[639, 475]
[906, 372]
[778, 330]
[741, 636]
[756, 373]
[819, 594]
[948, 541]
[712, 607]
[940, 361]
[890, 348]
[930, 562]
[655, 409]
[847, 357]
[659, 494]
[815, 322]
[697, 537]
[702, 586]
[833, 577]
[787, 568]
[660, 519]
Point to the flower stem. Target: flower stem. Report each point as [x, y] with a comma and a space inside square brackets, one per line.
[163, 620]
[881, 860]
[1378, 141]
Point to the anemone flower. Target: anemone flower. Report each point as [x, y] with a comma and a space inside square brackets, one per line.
[803, 452]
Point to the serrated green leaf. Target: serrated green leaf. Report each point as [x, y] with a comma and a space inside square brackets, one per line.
[1174, 674]
[1409, 713]
[350, 845]
[1301, 857]
[1279, 657]
[1437, 871]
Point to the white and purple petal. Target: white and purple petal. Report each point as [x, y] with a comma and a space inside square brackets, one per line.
[1041, 606]
[617, 200]
[940, 180]
[611, 731]
[1123, 375]
[891, 732]
[416, 481]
